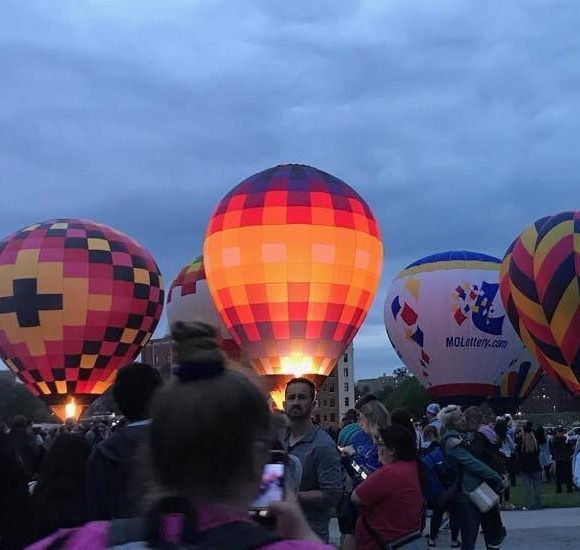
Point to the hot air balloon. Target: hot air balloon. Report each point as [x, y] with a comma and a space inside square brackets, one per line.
[188, 299]
[541, 288]
[293, 258]
[516, 384]
[77, 300]
[445, 319]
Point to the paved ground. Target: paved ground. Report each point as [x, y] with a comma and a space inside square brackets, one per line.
[550, 529]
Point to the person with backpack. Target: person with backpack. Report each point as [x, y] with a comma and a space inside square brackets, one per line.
[390, 500]
[475, 477]
[528, 452]
[485, 446]
[507, 450]
[209, 440]
[440, 487]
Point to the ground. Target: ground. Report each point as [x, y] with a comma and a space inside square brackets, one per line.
[549, 529]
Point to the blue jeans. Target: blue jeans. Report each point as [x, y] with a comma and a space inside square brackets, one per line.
[532, 487]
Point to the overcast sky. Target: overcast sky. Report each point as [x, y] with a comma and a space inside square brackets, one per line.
[458, 121]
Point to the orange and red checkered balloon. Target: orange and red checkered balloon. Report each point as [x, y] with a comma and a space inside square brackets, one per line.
[188, 299]
[540, 287]
[293, 258]
[77, 300]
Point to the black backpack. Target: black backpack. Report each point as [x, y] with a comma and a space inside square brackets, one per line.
[129, 534]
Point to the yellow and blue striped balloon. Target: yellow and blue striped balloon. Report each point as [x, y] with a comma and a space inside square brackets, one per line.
[540, 288]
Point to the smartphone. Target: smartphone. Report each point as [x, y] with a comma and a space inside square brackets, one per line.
[272, 484]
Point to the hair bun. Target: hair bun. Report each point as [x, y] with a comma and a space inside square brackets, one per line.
[181, 332]
[197, 351]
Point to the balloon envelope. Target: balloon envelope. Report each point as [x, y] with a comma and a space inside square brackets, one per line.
[77, 300]
[444, 317]
[541, 288]
[293, 258]
[188, 300]
[516, 383]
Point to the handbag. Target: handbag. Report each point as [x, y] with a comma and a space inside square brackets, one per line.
[576, 470]
[483, 497]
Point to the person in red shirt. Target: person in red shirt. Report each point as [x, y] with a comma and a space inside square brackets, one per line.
[390, 500]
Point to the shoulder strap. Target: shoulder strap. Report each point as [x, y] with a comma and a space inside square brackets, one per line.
[237, 535]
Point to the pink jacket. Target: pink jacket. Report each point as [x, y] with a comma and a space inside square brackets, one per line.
[93, 536]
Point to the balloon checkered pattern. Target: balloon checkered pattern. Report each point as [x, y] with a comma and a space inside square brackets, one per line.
[541, 291]
[293, 258]
[78, 300]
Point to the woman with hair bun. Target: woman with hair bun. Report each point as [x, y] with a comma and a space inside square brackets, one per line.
[209, 440]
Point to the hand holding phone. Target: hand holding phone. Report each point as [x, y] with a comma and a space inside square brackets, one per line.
[272, 487]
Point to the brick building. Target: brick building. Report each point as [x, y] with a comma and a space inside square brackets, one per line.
[158, 353]
[336, 394]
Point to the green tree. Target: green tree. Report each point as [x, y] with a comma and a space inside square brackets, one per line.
[16, 399]
[409, 394]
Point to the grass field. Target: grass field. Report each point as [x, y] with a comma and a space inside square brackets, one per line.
[549, 497]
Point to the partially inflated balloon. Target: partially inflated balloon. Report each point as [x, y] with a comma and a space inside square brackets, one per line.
[293, 258]
[516, 384]
[188, 299]
[77, 300]
[445, 319]
[541, 284]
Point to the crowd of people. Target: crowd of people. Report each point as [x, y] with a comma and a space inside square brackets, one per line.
[184, 465]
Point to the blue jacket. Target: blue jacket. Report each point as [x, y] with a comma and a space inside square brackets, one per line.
[366, 453]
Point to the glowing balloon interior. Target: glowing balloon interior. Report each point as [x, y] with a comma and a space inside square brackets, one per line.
[188, 299]
[293, 258]
[541, 291]
[77, 300]
[444, 317]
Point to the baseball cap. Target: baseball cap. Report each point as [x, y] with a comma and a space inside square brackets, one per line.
[433, 408]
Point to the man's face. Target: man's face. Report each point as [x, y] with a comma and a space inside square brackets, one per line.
[298, 403]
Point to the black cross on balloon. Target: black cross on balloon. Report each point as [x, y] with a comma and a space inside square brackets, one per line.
[27, 303]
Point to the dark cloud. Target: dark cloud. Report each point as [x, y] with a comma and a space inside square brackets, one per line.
[456, 120]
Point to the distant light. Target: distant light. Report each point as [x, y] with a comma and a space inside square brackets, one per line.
[70, 409]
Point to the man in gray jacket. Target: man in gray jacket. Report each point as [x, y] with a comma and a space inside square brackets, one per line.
[322, 478]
